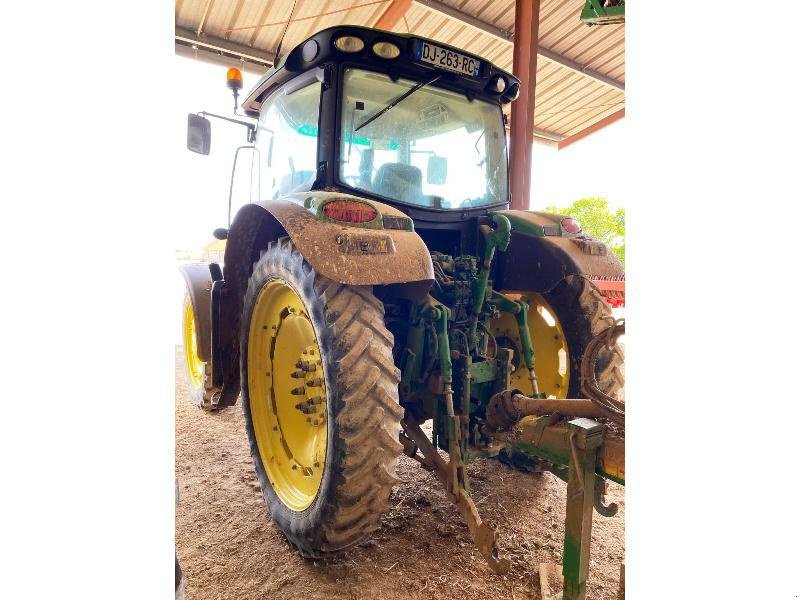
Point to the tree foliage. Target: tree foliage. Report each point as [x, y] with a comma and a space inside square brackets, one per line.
[598, 220]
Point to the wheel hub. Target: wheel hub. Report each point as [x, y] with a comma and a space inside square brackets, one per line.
[193, 362]
[288, 399]
[549, 347]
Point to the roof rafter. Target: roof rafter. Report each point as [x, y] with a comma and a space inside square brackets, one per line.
[218, 44]
[206, 10]
[507, 37]
[392, 15]
[213, 57]
[591, 129]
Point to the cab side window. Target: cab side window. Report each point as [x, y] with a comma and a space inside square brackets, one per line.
[288, 131]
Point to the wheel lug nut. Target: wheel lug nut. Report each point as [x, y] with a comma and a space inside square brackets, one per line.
[298, 374]
[306, 365]
[298, 391]
[305, 407]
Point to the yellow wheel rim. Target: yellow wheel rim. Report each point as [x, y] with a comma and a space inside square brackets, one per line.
[287, 396]
[550, 349]
[193, 363]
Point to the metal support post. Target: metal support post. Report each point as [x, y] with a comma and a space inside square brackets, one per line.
[585, 437]
[526, 41]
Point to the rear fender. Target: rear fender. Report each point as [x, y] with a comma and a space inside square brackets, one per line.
[541, 254]
[393, 258]
[199, 278]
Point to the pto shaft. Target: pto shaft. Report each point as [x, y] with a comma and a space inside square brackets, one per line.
[508, 407]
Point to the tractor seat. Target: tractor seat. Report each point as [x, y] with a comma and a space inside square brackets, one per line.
[398, 181]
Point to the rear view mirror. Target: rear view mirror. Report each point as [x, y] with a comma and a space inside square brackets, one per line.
[198, 137]
[437, 170]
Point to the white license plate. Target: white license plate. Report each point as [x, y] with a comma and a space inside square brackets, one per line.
[447, 59]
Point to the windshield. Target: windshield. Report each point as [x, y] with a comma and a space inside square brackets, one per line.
[433, 148]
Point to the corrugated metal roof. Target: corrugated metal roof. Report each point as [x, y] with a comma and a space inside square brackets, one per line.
[568, 99]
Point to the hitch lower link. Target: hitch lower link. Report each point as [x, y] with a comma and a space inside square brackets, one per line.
[485, 537]
[453, 471]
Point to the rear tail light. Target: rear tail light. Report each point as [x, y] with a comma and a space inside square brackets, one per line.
[570, 225]
[346, 211]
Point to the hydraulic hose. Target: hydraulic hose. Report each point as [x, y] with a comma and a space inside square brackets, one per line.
[613, 409]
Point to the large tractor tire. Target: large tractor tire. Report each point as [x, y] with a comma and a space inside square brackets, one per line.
[320, 399]
[562, 322]
[198, 372]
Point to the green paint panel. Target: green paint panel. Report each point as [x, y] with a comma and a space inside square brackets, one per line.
[483, 371]
[594, 13]
[533, 222]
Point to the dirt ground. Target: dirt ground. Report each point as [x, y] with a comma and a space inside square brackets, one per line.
[228, 547]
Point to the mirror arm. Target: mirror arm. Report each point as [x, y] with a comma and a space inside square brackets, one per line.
[230, 191]
[251, 128]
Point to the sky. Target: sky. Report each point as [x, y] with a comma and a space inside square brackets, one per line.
[558, 177]
[582, 169]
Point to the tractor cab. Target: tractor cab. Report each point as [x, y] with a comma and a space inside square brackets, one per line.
[395, 118]
[415, 124]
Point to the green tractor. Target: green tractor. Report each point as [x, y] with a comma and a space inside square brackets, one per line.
[377, 280]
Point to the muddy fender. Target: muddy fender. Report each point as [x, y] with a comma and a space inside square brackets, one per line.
[541, 254]
[199, 278]
[389, 253]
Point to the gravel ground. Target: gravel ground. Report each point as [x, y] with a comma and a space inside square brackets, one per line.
[228, 547]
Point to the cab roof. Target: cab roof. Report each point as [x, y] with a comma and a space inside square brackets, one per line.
[319, 49]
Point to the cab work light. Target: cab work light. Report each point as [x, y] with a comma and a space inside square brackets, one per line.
[346, 211]
[497, 84]
[386, 50]
[513, 92]
[349, 43]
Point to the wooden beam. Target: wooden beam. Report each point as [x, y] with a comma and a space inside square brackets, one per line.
[234, 17]
[210, 56]
[392, 15]
[204, 17]
[592, 128]
[190, 38]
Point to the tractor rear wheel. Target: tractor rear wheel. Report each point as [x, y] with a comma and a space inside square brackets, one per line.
[562, 322]
[582, 313]
[198, 372]
[320, 399]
